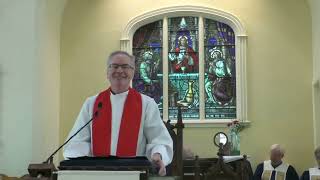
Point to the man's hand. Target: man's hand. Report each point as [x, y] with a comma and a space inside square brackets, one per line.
[157, 161]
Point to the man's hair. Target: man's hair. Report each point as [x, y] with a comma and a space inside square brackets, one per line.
[317, 153]
[132, 58]
[277, 147]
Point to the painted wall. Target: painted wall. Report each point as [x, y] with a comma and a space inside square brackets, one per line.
[314, 8]
[29, 81]
[279, 69]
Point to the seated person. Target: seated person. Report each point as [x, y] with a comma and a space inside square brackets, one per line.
[275, 169]
[313, 173]
[187, 153]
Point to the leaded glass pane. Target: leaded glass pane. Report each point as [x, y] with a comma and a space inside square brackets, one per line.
[220, 71]
[147, 48]
[183, 67]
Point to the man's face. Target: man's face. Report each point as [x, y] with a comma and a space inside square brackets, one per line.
[120, 73]
[276, 156]
[183, 41]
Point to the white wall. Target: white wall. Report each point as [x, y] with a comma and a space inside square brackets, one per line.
[17, 80]
[29, 82]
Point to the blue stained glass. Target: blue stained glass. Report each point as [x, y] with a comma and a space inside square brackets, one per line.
[147, 48]
[155, 44]
[220, 80]
[213, 41]
[183, 67]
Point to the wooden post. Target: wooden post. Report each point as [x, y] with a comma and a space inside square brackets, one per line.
[196, 168]
[179, 126]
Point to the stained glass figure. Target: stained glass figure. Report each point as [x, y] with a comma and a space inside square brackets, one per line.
[147, 48]
[183, 66]
[220, 79]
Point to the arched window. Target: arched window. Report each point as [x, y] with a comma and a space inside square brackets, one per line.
[194, 60]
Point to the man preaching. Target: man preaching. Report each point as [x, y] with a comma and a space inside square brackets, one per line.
[128, 123]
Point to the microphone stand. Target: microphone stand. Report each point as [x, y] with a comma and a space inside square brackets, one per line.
[50, 158]
[46, 168]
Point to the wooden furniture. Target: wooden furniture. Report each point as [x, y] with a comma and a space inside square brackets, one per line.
[177, 138]
[216, 169]
[204, 168]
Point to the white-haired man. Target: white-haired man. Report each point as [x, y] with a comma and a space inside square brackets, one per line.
[128, 123]
[275, 169]
[313, 173]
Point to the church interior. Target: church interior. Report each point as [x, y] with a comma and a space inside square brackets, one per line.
[253, 67]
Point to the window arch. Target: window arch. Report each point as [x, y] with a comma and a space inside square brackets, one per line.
[194, 55]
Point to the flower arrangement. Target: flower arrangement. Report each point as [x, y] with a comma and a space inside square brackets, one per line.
[235, 126]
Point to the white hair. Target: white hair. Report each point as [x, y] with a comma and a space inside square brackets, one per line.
[132, 58]
[317, 153]
[277, 147]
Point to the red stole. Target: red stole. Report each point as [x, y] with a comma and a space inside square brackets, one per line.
[129, 127]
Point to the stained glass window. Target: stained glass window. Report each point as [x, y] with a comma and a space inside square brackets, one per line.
[220, 79]
[183, 66]
[147, 48]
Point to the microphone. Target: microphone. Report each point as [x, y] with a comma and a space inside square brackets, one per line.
[47, 167]
[50, 158]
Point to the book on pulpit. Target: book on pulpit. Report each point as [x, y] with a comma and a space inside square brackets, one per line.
[140, 163]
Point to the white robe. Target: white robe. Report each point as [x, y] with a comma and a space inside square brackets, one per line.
[281, 171]
[153, 135]
[314, 173]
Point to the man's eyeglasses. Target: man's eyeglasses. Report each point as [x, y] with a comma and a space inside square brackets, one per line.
[122, 66]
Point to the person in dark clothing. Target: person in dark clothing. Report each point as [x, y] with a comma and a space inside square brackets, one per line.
[275, 169]
[313, 173]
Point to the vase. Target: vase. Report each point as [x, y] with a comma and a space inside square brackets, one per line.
[235, 143]
[190, 93]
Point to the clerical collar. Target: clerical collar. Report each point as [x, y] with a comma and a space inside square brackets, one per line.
[123, 93]
[276, 165]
